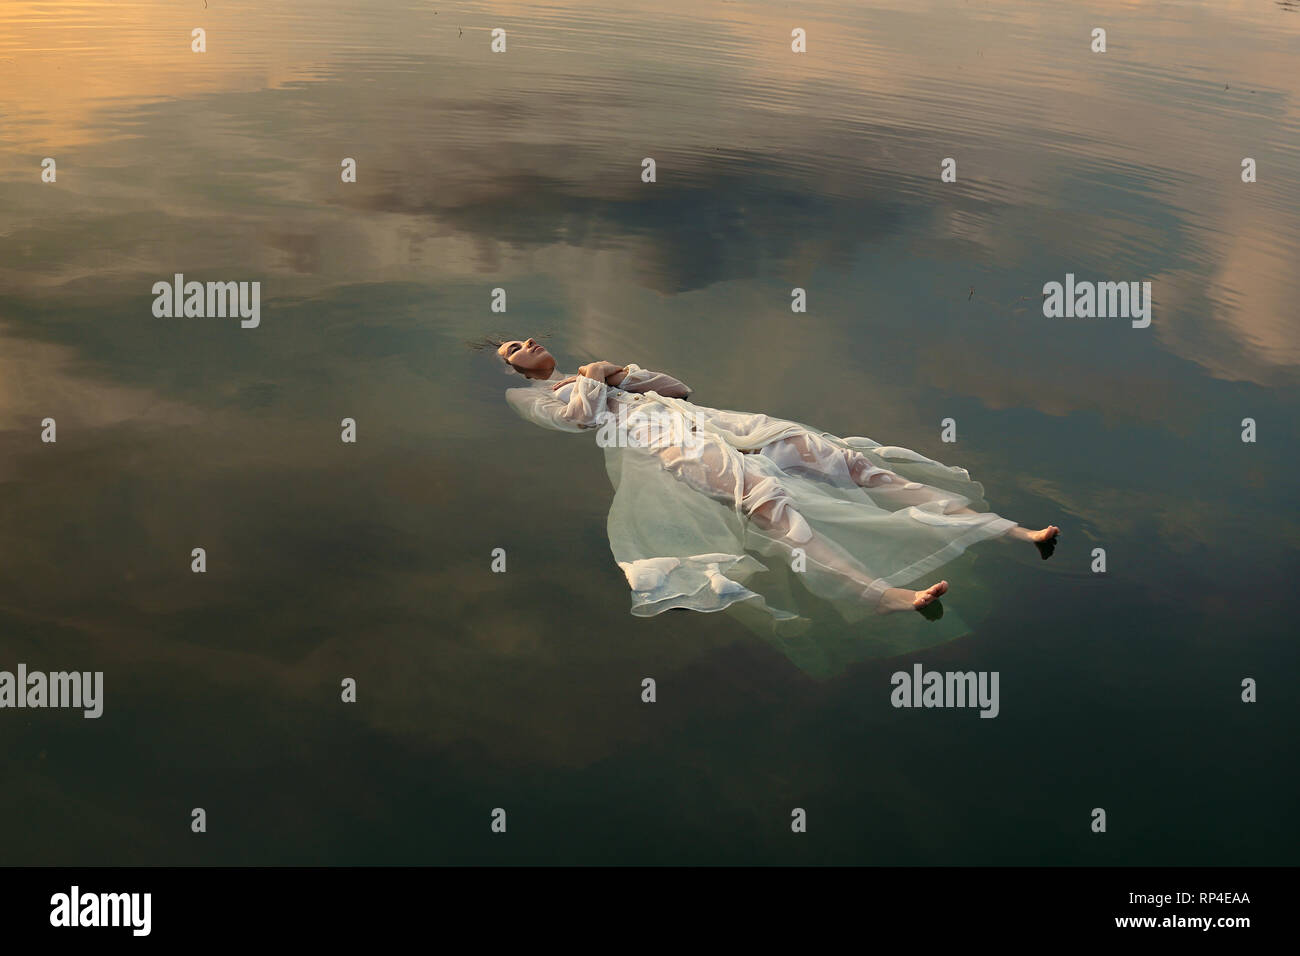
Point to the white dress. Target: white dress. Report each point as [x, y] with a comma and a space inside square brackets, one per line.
[697, 488]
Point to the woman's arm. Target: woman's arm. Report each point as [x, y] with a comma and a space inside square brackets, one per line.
[637, 379]
[606, 372]
[586, 401]
[630, 378]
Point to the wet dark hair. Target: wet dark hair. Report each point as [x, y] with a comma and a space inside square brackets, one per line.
[486, 342]
[498, 339]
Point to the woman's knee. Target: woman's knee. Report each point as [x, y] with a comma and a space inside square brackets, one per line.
[869, 475]
[769, 505]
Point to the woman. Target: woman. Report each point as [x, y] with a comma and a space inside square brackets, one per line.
[695, 487]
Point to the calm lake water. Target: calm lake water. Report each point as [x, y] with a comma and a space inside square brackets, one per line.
[522, 171]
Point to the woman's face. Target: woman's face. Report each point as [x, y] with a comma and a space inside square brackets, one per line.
[529, 357]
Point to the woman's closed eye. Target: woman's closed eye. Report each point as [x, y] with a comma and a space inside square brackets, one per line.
[512, 349]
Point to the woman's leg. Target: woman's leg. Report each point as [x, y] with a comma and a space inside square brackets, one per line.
[898, 490]
[769, 506]
[787, 529]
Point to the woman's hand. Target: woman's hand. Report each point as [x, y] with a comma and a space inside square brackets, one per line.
[601, 370]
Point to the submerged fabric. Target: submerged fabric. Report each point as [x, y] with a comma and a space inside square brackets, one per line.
[697, 489]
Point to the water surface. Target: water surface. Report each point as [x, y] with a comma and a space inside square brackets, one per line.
[522, 171]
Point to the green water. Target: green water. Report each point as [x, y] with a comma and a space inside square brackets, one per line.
[522, 170]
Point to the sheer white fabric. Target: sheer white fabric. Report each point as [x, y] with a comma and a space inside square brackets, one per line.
[696, 489]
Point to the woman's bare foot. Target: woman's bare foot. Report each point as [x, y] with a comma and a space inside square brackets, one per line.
[1038, 537]
[1044, 540]
[901, 599]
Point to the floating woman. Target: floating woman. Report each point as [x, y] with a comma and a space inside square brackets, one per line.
[698, 487]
